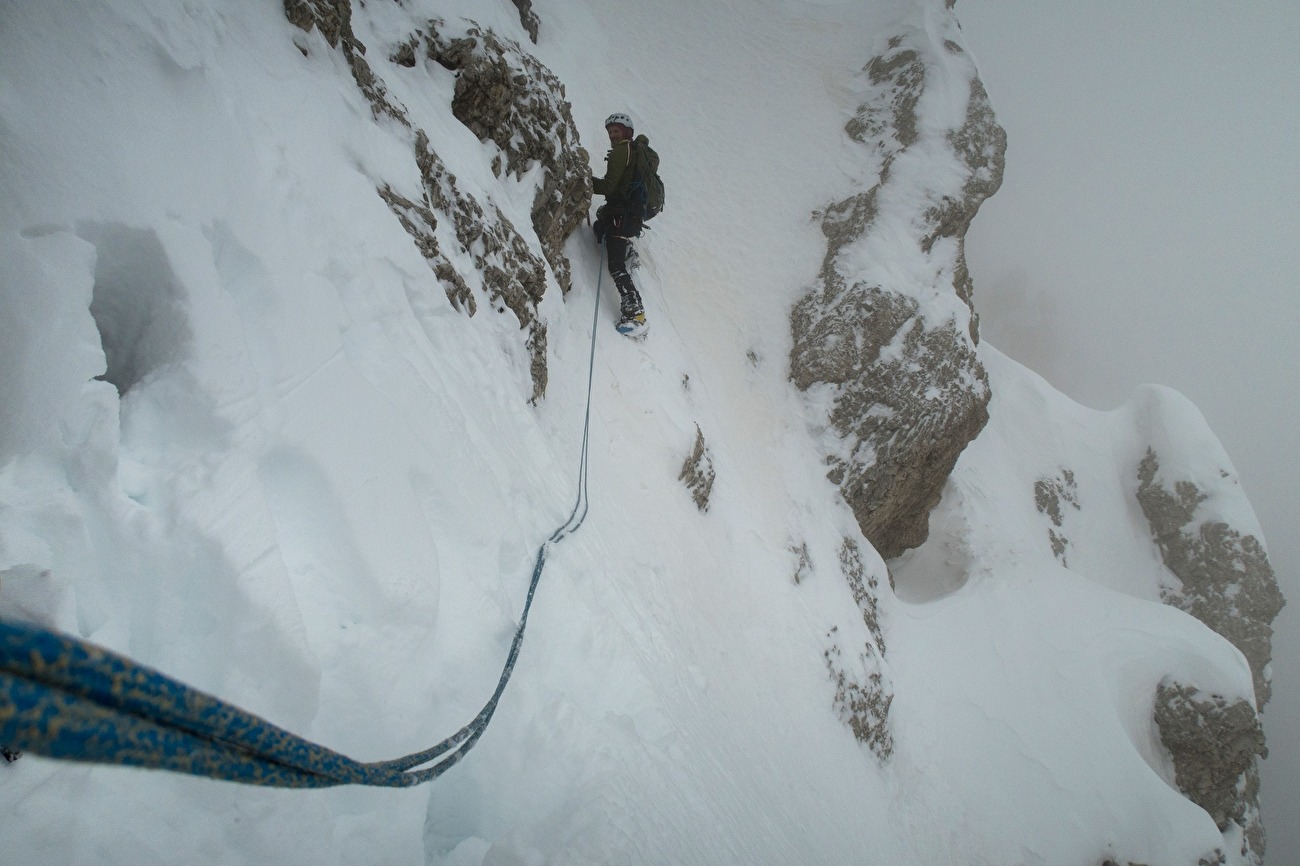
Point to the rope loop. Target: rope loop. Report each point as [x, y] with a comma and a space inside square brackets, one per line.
[66, 698]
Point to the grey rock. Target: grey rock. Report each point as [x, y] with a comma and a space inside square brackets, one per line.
[863, 691]
[1215, 746]
[420, 223]
[905, 415]
[697, 472]
[982, 145]
[333, 18]
[1051, 495]
[506, 96]
[1224, 578]
[513, 277]
[503, 95]
[866, 591]
[862, 704]
[528, 18]
[803, 567]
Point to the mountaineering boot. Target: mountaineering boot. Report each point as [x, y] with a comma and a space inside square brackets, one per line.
[633, 324]
[631, 305]
[632, 321]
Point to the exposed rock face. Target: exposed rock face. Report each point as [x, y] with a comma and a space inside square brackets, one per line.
[332, 17]
[803, 561]
[1224, 578]
[504, 95]
[909, 392]
[697, 472]
[513, 276]
[528, 18]
[420, 222]
[1214, 746]
[1051, 495]
[334, 20]
[863, 693]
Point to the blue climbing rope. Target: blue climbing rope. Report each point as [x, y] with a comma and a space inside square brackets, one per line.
[64, 698]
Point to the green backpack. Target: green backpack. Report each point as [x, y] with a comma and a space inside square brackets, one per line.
[647, 189]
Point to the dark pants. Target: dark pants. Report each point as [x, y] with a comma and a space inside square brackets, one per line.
[611, 230]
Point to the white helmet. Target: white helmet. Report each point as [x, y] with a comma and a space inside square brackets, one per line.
[620, 119]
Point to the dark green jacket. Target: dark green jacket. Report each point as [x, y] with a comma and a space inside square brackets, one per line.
[616, 185]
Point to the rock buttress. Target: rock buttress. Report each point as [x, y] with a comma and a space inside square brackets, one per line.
[890, 327]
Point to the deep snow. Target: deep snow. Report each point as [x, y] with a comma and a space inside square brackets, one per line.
[320, 492]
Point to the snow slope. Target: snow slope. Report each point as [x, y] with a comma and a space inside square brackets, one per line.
[320, 489]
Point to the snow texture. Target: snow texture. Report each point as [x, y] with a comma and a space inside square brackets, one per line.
[253, 439]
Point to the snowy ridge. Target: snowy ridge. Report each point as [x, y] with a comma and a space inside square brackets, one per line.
[1088, 640]
[311, 483]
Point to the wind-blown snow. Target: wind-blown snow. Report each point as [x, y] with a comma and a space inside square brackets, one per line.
[249, 441]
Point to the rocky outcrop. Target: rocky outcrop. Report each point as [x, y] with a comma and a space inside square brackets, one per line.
[333, 18]
[863, 692]
[1215, 746]
[899, 355]
[1051, 495]
[513, 277]
[503, 95]
[1224, 578]
[506, 96]
[697, 472]
[528, 18]
[802, 562]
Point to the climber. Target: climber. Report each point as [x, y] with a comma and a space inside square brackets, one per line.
[619, 219]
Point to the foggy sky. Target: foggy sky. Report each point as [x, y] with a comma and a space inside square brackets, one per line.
[1147, 231]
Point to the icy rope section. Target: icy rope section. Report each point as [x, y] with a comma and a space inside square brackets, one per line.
[65, 698]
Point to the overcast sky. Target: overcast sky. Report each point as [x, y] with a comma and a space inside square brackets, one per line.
[1147, 231]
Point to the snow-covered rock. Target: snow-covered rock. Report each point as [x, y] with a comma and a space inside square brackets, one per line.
[894, 338]
[252, 437]
[1221, 575]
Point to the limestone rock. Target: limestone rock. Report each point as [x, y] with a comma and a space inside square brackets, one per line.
[334, 20]
[862, 704]
[803, 561]
[332, 17]
[420, 223]
[1051, 495]
[528, 18]
[1224, 578]
[1215, 746]
[863, 691]
[908, 390]
[697, 472]
[506, 96]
